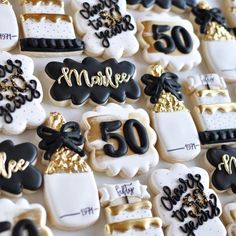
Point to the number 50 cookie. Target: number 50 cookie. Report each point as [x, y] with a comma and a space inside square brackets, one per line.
[119, 140]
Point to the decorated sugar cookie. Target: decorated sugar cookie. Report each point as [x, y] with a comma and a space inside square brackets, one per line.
[128, 210]
[213, 112]
[119, 140]
[43, 6]
[70, 189]
[22, 218]
[231, 11]
[47, 31]
[160, 5]
[207, 89]
[222, 162]
[107, 29]
[185, 203]
[229, 217]
[169, 41]
[218, 43]
[178, 137]
[9, 32]
[21, 94]
[17, 170]
[76, 83]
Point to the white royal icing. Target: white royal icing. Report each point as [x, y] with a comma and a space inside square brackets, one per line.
[9, 211]
[126, 166]
[169, 177]
[178, 136]
[175, 61]
[31, 114]
[72, 199]
[229, 211]
[9, 32]
[122, 44]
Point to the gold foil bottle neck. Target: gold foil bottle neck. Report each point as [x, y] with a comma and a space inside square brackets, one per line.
[204, 5]
[168, 103]
[55, 121]
[156, 70]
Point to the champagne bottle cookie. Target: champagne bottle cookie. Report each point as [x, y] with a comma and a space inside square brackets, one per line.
[70, 190]
[178, 137]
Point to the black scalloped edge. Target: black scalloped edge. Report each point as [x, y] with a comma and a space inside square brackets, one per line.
[217, 136]
[51, 45]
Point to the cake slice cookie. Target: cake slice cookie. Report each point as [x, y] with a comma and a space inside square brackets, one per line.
[120, 140]
[128, 210]
[178, 137]
[185, 203]
[70, 189]
[47, 31]
[169, 41]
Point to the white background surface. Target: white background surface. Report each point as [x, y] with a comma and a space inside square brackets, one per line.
[75, 115]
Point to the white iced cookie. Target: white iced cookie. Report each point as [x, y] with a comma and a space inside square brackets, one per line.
[21, 94]
[169, 41]
[47, 31]
[229, 217]
[43, 6]
[70, 189]
[107, 29]
[119, 140]
[22, 218]
[178, 137]
[128, 210]
[9, 32]
[207, 89]
[185, 203]
[217, 42]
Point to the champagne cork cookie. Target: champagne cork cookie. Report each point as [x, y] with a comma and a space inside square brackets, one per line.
[178, 137]
[70, 190]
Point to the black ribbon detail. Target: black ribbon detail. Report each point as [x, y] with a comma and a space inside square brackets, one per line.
[5, 226]
[69, 136]
[167, 82]
[205, 16]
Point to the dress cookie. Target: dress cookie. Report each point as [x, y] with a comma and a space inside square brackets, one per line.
[160, 5]
[185, 203]
[47, 31]
[119, 140]
[91, 80]
[108, 30]
[207, 89]
[22, 218]
[128, 210]
[21, 94]
[215, 38]
[169, 41]
[222, 162]
[9, 31]
[213, 112]
[178, 137]
[229, 217]
[70, 190]
[17, 170]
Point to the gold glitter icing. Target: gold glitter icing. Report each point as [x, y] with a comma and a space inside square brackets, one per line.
[156, 70]
[4, 2]
[169, 103]
[64, 160]
[141, 224]
[212, 108]
[42, 16]
[212, 93]
[46, 2]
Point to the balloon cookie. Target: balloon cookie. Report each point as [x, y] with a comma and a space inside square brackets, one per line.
[178, 137]
[9, 32]
[47, 31]
[128, 210]
[119, 140]
[70, 190]
[22, 218]
[169, 41]
[21, 94]
[185, 203]
[76, 83]
[216, 38]
[107, 29]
